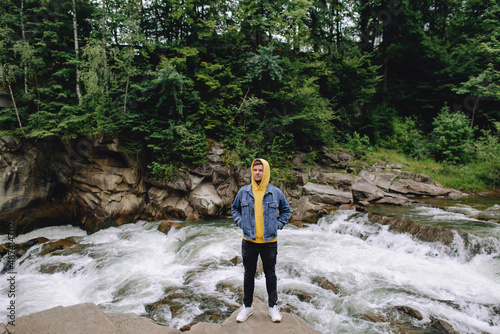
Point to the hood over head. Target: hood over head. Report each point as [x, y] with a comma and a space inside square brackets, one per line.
[265, 177]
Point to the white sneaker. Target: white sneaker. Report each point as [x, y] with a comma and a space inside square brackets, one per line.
[275, 314]
[244, 313]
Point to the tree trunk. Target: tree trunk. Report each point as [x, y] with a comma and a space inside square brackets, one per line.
[476, 106]
[15, 108]
[75, 34]
[126, 91]
[23, 33]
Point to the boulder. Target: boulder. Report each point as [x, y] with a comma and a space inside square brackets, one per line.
[326, 284]
[165, 203]
[422, 178]
[362, 190]
[396, 199]
[178, 206]
[410, 311]
[422, 232]
[58, 245]
[186, 182]
[84, 318]
[87, 318]
[339, 160]
[339, 180]
[320, 193]
[205, 200]
[131, 323]
[305, 210]
[259, 322]
[220, 175]
[166, 226]
[383, 180]
[412, 187]
[442, 326]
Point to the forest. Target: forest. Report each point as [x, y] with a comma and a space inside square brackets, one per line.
[263, 77]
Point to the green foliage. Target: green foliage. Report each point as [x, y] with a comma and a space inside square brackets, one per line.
[487, 152]
[171, 83]
[281, 148]
[357, 144]
[263, 77]
[190, 144]
[164, 171]
[264, 65]
[408, 138]
[312, 157]
[452, 136]
[283, 177]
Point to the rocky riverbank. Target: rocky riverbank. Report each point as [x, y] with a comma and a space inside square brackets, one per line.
[93, 185]
[89, 319]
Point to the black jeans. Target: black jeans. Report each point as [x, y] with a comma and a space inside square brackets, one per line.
[268, 253]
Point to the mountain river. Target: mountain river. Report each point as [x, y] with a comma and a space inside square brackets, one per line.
[194, 273]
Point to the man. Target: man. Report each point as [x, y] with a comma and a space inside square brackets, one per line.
[260, 209]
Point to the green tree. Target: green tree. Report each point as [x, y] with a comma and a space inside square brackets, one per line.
[452, 136]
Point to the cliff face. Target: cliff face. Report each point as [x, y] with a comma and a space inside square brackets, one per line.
[93, 185]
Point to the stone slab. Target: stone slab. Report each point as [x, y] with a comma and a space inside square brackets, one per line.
[84, 318]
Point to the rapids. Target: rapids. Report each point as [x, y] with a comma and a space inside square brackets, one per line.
[131, 267]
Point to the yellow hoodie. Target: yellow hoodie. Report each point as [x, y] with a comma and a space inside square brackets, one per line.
[258, 193]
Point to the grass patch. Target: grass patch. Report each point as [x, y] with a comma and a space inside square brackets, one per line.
[467, 177]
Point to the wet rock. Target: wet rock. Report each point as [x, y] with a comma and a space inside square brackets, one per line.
[55, 268]
[302, 295]
[166, 226]
[442, 326]
[410, 311]
[236, 260]
[371, 317]
[185, 328]
[422, 232]
[326, 284]
[232, 287]
[58, 245]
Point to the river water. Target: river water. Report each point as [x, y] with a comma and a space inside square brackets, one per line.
[192, 274]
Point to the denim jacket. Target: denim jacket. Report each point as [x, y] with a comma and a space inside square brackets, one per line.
[274, 202]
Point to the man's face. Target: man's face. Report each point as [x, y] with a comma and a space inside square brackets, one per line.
[258, 172]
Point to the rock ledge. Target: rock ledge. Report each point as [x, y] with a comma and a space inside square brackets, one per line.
[87, 318]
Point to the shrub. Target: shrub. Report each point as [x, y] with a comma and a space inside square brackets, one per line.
[452, 136]
[163, 171]
[408, 139]
[358, 145]
[487, 153]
